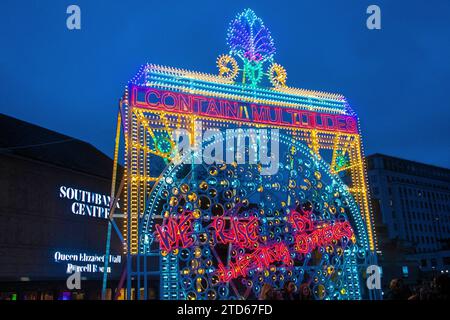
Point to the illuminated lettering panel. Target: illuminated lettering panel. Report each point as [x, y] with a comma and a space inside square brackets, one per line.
[177, 102]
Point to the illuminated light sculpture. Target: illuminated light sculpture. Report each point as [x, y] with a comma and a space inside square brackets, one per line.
[251, 41]
[220, 231]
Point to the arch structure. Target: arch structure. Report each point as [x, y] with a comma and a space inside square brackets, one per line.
[269, 187]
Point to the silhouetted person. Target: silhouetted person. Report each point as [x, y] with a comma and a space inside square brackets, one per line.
[440, 288]
[289, 291]
[267, 292]
[397, 291]
[304, 292]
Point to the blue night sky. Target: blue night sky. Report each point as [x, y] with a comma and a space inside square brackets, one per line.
[397, 79]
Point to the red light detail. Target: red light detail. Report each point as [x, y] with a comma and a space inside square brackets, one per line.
[242, 232]
[177, 232]
[261, 258]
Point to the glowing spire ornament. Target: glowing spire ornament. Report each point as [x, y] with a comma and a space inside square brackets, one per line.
[251, 41]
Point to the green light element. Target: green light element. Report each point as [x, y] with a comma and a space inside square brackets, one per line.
[342, 161]
[163, 145]
[253, 72]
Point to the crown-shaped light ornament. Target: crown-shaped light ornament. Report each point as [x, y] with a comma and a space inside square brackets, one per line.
[251, 42]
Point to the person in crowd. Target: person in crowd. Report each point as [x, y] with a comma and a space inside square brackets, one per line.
[268, 293]
[421, 291]
[440, 288]
[152, 294]
[289, 291]
[397, 290]
[425, 291]
[437, 289]
[305, 292]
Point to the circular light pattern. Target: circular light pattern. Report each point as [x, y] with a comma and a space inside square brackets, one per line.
[164, 145]
[206, 198]
[277, 75]
[228, 67]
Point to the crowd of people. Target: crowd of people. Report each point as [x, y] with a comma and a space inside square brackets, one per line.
[436, 289]
[289, 292]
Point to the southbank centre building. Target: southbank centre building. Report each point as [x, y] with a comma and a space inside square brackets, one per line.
[54, 206]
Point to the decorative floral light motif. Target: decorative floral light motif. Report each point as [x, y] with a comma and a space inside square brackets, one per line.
[342, 161]
[277, 75]
[250, 39]
[228, 67]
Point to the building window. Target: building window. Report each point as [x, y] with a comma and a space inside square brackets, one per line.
[405, 271]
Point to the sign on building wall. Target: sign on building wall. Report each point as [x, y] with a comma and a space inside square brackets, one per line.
[86, 203]
[85, 263]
